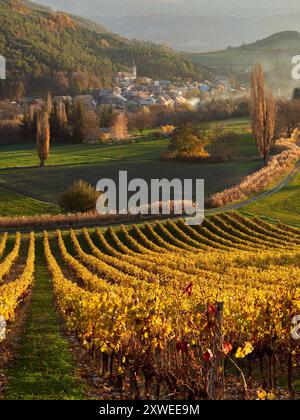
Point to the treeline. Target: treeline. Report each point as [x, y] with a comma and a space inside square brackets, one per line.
[54, 51]
[74, 122]
[212, 110]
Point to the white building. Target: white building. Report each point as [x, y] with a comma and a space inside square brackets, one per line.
[2, 68]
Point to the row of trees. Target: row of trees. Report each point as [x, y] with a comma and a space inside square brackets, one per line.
[65, 122]
[74, 122]
[211, 110]
[288, 115]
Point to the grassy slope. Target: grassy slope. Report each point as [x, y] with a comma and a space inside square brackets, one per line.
[283, 206]
[50, 186]
[279, 47]
[241, 58]
[274, 53]
[44, 367]
[24, 155]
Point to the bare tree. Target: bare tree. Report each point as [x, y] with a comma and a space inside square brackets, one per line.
[91, 127]
[263, 113]
[288, 116]
[142, 120]
[43, 137]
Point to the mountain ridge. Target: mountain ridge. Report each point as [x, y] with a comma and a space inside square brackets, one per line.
[274, 52]
[39, 42]
[190, 25]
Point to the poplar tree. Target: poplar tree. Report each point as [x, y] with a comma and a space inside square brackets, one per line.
[43, 137]
[78, 122]
[263, 113]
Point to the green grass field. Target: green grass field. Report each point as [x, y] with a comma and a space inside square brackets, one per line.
[284, 206]
[26, 189]
[48, 184]
[24, 154]
[14, 204]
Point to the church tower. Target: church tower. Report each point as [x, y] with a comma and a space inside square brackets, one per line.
[135, 70]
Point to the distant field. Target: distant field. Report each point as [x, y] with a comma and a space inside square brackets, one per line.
[19, 171]
[277, 64]
[24, 155]
[237, 57]
[48, 185]
[284, 206]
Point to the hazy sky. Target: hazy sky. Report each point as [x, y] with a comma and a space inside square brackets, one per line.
[202, 7]
[189, 25]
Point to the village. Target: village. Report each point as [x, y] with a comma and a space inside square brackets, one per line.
[132, 92]
[133, 107]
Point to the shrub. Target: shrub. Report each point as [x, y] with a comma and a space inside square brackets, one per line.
[80, 197]
[188, 142]
[168, 129]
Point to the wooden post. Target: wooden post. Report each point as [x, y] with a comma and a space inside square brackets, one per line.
[290, 376]
[217, 353]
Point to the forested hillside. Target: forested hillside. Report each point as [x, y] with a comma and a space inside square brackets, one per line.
[38, 42]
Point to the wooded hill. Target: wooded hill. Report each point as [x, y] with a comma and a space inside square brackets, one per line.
[38, 42]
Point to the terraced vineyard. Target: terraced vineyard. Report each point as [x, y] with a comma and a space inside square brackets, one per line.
[145, 302]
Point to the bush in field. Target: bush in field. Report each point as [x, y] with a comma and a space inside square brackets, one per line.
[168, 129]
[189, 142]
[80, 197]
